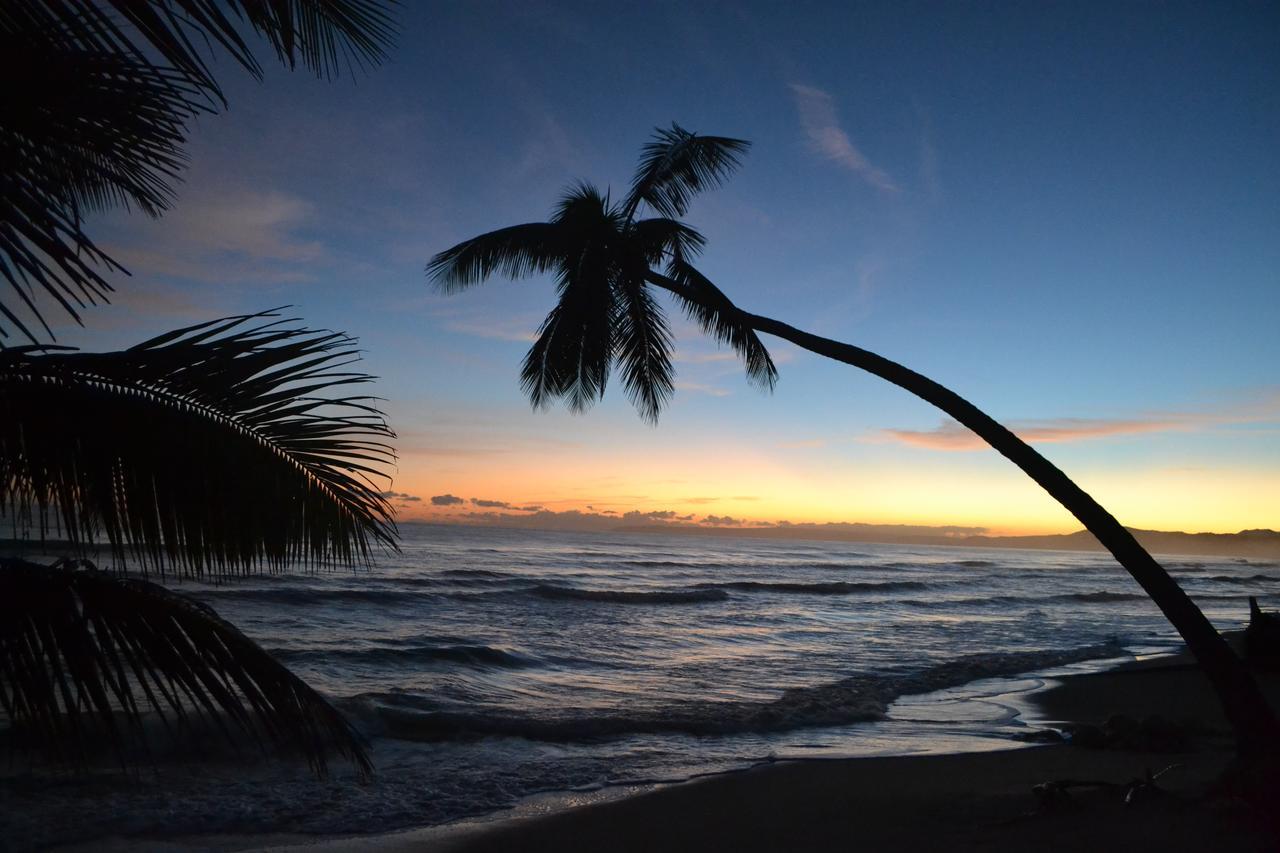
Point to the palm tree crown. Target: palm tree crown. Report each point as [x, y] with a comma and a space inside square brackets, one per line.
[604, 260]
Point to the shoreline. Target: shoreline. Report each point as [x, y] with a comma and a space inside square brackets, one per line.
[969, 800]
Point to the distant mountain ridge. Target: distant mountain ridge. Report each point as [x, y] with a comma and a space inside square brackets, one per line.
[1253, 544]
[1258, 543]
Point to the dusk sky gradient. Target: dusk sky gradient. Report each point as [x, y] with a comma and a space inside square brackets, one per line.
[1069, 213]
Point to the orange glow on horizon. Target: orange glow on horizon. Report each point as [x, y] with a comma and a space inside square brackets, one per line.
[755, 487]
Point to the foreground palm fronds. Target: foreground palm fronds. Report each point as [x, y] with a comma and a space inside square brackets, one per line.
[96, 97]
[77, 645]
[219, 448]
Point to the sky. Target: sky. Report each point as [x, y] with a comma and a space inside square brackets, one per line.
[1069, 213]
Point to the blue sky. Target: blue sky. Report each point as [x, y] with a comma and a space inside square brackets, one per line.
[1069, 213]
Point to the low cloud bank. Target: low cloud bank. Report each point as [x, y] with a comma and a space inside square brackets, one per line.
[400, 497]
[665, 519]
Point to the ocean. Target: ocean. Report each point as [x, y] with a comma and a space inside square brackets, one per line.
[487, 665]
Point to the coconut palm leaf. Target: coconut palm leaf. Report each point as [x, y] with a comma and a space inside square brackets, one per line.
[96, 98]
[573, 353]
[676, 166]
[325, 35]
[219, 447]
[666, 241]
[85, 126]
[643, 348]
[516, 252]
[85, 654]
[712, 310]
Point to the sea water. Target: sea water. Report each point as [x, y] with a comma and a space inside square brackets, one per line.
[486, 665]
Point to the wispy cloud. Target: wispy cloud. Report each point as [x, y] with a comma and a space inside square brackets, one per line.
[519, 328]
[821, 124]
[401, 497]
[707, 357]
[227, 234]
[249, 222]
[806, 444]
[951, 436]
[499, 330]
[702, 388]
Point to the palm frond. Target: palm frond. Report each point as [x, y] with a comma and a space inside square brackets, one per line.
[84, 654]
[516, 252]
[643, 348]
[93, 112]
[85, 126]
[547, 373]
[573, 353]
[325, 35]
[719, 317]
[219, 447]
[661, 240]
[678, 165]
[585, 211]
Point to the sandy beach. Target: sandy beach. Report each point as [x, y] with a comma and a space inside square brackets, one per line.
[981, 801]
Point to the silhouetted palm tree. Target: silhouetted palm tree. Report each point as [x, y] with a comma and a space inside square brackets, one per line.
[94, 102]
[202, 451]
[214, 450]
[605, 261]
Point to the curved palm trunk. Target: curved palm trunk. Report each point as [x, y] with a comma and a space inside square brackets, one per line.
[1251, 718]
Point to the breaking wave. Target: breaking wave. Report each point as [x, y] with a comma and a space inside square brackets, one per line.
[832, 588]
[674, 596]
[858, 698]
[467, 655]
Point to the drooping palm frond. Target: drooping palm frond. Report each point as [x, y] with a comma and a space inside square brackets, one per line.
[643, 349]
[662, 241]
[85, 125]
[719, 317]
[219, 447]
[325, 35]
[574, 351]
[515, 252]
[94, 102]
[85, 654]
[676, 166]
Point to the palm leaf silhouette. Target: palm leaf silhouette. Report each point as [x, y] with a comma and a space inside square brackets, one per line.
[677, 165]
[84, 654]
[96, 101]
[220, 447]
